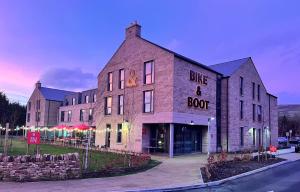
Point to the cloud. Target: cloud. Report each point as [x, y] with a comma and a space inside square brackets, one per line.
[70, 79]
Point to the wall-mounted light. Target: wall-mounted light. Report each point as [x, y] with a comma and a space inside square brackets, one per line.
[192, 123]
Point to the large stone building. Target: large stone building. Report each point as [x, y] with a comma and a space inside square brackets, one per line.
[49, 107]
[151, 99]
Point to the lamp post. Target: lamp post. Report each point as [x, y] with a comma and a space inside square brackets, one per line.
[208, 134]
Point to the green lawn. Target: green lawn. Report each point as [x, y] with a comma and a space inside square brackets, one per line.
[97, 160]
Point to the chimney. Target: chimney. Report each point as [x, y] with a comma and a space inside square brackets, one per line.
[134, 30]
[38, 85]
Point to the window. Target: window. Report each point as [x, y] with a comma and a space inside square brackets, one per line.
[81, 114]
[253, 90]
[149, 72]
[148, 101]
[73, 101]
[37, 116]
[90, 114]
[119, 133]
[253, 112]
[109, 81]
[66, 102]
[241, 109]
[86, 99]
[69, 116]
[241, 86]
[121, 105]
[95, 98]
[108, 103]
[62, 116]
[259, 137]
[242, 136]
[38, 104]
[28, 117]
[29, 106]
[259, 113]
[254, 136]
[258, 92]
[121, 78]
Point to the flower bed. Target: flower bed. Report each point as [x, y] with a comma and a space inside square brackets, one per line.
[219, 169]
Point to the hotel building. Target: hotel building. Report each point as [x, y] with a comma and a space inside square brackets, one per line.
[152, 99]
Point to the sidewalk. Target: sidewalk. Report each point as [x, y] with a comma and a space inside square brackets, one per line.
[290, 156]
[175, 172]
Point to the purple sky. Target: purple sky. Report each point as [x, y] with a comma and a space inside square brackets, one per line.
[66, 43]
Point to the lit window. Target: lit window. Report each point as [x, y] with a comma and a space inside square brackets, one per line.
[73, 101]
[109, 81]
[149, 72]
[86, 99]
[90, 114]
[108, 104]
[121, 105]
[148, 101]
[121, 78]
[119, 133]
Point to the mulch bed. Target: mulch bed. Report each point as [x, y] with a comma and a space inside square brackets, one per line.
[232, 168]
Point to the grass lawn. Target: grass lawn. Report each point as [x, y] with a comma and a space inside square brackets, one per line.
[97, 160]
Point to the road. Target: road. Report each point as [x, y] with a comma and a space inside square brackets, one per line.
[283, 178]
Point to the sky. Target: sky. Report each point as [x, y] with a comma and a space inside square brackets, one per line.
[66, 43]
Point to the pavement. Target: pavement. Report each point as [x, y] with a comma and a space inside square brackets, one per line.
[172, 172]
[284, 178]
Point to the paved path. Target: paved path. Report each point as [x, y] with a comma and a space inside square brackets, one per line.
[283, 178]
[184, 170]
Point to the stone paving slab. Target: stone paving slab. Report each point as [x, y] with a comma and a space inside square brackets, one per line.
[174, 172]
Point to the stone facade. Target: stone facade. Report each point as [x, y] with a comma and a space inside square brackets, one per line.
[40, 167]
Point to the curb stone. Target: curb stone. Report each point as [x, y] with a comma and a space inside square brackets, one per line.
[213, 183]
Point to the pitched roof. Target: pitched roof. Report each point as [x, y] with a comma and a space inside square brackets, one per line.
[228, 68]
[183, 57]
[54, 94]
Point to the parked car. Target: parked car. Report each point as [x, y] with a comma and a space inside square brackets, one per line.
[294, 143]
[282, 140]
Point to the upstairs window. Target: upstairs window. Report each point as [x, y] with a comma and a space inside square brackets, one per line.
[69, 116]
[95, 98]
[148, 101]
[258, 92]
[28, 117]
[253, 90]
[241, 109]
[86, 99]
[241, 86]
[119, 133]
[38, 104]
[121, 78]
[253, 112]
[62, 116]
[259, 113]
[107, 106]
[242, 136]
[81, 115]
[91, 111]
[73, 101]
[37, 116]
[109, 81]
[29, 106]
[149, 72]
[121, 105]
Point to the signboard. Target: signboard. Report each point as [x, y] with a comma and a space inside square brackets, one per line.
[201, 80]
[33, 137]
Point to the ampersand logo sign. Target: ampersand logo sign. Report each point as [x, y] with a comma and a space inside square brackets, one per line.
[132, 79]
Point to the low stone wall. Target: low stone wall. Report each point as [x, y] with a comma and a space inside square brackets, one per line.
[40, 167]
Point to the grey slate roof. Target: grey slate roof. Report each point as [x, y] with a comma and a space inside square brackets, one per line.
[54, 94]
[228, 68]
